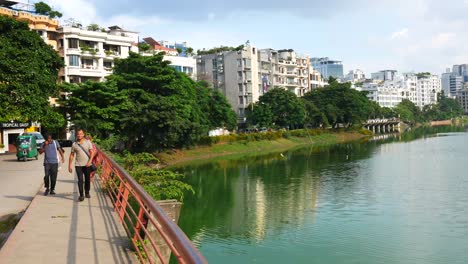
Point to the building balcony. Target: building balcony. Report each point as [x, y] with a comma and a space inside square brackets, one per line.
[89, 67]
[73, 51]
[112, 53]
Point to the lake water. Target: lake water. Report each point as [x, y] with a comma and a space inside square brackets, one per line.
[400, 200]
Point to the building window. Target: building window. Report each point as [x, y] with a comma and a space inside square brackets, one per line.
[239, 75]
[73, 60]
[241, 88]
[107, 64]
[241, 100]
[72, 43]
[239, 62]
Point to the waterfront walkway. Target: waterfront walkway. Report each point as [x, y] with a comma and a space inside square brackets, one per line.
[59, 229]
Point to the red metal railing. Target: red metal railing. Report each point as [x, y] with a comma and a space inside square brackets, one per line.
[129, 197]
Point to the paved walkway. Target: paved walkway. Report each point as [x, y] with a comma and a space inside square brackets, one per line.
[19, 182]
[59, 229]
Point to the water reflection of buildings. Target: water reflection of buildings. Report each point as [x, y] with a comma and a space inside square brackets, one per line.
[261, 204]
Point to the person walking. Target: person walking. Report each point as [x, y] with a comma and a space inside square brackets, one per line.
[90, 138]
[52, 150]
[83, 150]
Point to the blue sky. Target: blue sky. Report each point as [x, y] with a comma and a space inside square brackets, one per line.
[411, 35]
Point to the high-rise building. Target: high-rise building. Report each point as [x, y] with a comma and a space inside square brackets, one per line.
[233, 73]
[462, 98]
[243, 76]
[385, 75]
[453, 81]
[328, 67]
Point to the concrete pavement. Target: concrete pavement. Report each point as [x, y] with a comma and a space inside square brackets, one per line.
[59, 229]
[19, 183]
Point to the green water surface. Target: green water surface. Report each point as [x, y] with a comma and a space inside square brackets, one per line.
[400, 200]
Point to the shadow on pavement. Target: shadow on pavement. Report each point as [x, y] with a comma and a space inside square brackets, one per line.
[20, 197]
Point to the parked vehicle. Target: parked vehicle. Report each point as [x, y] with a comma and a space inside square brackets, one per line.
[26, 147]
[65, 143]
[39, 138]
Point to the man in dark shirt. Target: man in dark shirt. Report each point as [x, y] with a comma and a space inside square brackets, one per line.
[52, 151]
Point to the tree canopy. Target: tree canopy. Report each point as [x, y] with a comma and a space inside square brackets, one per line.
[278, 107]
[341, 104]
[28, 75]
[220, 49]
[44, 9]
[148, 105]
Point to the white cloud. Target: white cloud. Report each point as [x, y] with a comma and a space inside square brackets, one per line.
[81, 10]
[134, 23]
[400, 34]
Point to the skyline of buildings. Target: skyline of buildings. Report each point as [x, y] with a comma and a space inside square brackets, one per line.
[89, 55]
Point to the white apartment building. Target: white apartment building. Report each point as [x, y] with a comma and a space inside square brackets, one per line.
[235, 74]
[355, 76]
[181, 62]
[89, 55]
[243, 76]
[427, 90]
[420, 91]
[286, 69]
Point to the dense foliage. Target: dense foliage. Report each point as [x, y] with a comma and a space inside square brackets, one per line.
[44, 9]
[160, 184]
[148, 106]
[220, 49]
[278, 107]
[28, 75]
[338, 105]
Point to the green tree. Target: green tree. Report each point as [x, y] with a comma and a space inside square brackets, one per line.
[179, 50]
[449, 108]
[28, 75]
[216, 107]
[95, 106]
[189, 51]
[160, 184]
[314, 117]
[408, 111]
[148, 106]
[260, 115]
[387, 112]
[287, 110]
[93, 27]
[143, 46]
[44, 9]
[341, 104]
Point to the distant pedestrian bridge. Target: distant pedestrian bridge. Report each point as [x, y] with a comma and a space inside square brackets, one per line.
[383, 125]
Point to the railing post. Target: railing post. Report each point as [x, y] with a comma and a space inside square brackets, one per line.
[172, 209]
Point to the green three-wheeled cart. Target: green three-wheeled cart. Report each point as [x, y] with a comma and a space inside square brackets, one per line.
[26, 148]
